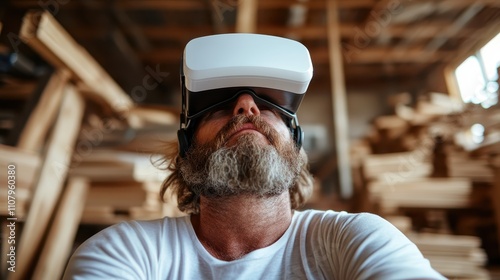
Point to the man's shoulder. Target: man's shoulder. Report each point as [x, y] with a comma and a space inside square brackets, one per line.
[342, 224]
[330, 217]
[139, 229]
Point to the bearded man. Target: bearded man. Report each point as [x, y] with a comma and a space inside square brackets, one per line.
[240, 174]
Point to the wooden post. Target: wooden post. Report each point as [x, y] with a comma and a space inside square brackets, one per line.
[451, 83]
[339, 100]
[44, 113]
[60, 239]
[51, 180]
[246, 19]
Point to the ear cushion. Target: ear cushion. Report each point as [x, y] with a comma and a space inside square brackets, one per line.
[298, 136]
[183, 142]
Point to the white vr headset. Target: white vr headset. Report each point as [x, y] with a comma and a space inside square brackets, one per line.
[217, 69]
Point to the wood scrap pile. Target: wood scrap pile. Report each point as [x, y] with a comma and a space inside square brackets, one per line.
[424, 160]
[455, 256]
[57, 136]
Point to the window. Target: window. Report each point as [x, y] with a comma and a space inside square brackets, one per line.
[477, 76]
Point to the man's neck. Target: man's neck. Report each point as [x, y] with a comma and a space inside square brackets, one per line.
[234, 226]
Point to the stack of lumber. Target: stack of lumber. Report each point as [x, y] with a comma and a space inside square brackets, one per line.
[490, 149]
[123, 185]
[462, 165]
[432, 165]
[438, 104]
[429, 193]
[396, 166]
[26, 169]
[57, 184]
[454, 256]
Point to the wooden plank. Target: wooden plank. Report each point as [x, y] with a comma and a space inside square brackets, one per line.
[44, 113]
[27, 165]
[62, 232]
[51, 180]
[46, 36]
[151, 115]
[28, 107]
[452, 83]
[435, 193]
[340, 120]
[471, 46]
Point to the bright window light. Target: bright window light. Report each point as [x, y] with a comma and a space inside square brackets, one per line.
[470, 79]
[477, 76]
[491, 58]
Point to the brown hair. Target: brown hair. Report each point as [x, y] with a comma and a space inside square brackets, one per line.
[189, 202]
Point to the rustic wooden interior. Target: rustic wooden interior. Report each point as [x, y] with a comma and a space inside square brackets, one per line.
[368, 57]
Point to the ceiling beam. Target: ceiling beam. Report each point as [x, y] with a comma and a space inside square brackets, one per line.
[124, 4]
[455, 27]
[351, 31]
[321, 55]
[316, 4]
[469, 47]
[460, 4]
[380, 55]
[194, 4]
[263, 4]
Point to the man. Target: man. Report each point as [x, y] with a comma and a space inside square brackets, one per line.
[239, 172]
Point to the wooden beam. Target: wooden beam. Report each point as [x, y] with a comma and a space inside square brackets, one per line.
[20, 122]
[263, 4]
[27, 163]
[57, 248]
[383, 55]
[46, 36]
[382, 6]
[471, 46]
[339, 100]
[246, 18]
[452, 83]
[125, 4]
[191, 4]
[352, 55]
[41, 118]
[426, 30]
[316, 4]
[455, 27]
[51, 180]
[176, 32]
[460, 4]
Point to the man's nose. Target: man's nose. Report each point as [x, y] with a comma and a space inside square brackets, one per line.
[246, 105]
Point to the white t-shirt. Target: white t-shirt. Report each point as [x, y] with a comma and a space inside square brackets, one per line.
[317, 245]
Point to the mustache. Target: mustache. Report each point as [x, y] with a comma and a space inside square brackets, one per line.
[238, 121]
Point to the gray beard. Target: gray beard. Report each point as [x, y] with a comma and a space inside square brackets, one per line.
[246, 168]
